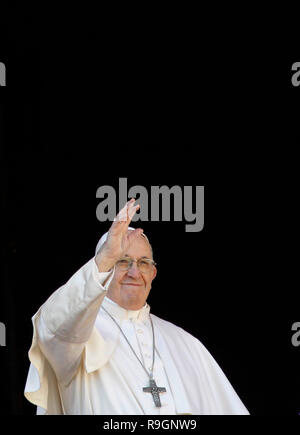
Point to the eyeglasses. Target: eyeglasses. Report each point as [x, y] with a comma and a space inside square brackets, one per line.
[145, 265]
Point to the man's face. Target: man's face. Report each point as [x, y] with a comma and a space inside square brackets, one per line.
[130, 288]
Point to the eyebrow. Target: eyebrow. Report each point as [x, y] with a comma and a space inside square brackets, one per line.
[144, 256]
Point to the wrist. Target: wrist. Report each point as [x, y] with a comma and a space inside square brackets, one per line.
[104, 263]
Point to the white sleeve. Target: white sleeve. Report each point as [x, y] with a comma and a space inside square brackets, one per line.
[67, 318]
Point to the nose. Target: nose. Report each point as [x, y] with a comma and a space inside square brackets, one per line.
[134, 271]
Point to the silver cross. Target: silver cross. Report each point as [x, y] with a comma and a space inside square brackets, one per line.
[155, 390]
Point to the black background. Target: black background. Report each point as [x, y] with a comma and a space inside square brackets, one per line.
[160, 102]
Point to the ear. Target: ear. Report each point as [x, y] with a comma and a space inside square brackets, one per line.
[154, 272]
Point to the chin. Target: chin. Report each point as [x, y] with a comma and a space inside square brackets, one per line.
[133, 294]
[134, 298]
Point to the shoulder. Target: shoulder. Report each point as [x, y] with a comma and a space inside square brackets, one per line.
[178, 338]
[177, 331]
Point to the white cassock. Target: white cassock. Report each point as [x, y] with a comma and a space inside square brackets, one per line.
[81, 363]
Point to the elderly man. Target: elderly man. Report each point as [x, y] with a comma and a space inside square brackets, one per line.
[97, 349]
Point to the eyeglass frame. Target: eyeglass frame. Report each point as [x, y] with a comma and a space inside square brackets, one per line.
[153, 263]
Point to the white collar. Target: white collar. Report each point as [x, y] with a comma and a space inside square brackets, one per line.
[120, 313]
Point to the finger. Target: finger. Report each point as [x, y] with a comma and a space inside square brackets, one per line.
[119, 221]
[122, 221]
[128, 212]
[122, 216]
[132, 212]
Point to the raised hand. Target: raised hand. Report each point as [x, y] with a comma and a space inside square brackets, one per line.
[118, 239]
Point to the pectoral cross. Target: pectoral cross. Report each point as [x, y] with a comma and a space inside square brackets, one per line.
[155, 390]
